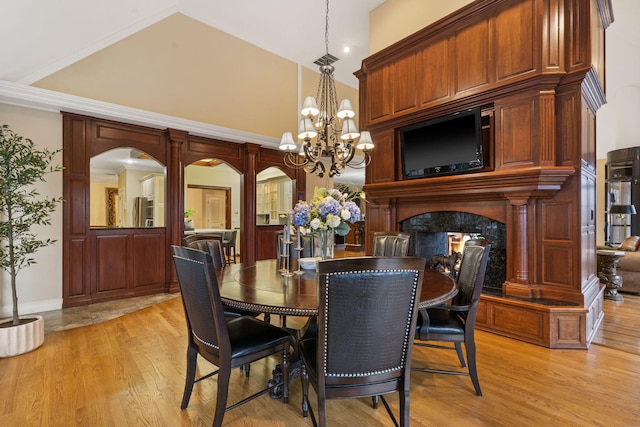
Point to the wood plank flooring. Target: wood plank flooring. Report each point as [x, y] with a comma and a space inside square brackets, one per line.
[129, 371]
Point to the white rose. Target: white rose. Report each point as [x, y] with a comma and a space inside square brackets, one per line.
[315, 223]
[345, 214]
[333, 220]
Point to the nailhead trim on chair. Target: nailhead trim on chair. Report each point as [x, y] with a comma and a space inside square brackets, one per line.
[205, 343]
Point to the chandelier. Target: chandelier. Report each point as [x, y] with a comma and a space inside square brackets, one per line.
[326, 131]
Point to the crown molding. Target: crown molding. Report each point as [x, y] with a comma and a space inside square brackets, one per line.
[42, 99]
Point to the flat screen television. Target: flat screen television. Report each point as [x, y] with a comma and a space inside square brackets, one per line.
[444, 145]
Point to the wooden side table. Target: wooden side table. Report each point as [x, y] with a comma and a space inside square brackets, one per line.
[608, 272]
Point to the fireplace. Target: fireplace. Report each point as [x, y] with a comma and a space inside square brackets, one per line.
[441, 232]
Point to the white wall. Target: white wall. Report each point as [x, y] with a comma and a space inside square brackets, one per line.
[39, 286]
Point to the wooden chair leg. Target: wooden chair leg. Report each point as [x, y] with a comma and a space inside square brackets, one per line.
[460, 356]
[471, 360]
[221, 399]
[192, 357]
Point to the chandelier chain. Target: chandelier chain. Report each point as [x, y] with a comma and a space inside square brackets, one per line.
[326, 34]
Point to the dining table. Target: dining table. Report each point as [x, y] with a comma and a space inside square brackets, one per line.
[262, 287]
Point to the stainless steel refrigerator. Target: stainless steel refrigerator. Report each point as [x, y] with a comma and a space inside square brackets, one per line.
[143, 212]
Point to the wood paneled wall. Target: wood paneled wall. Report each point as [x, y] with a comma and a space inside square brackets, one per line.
[535, 64]
[105, 264]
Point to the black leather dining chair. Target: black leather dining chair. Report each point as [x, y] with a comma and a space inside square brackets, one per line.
[366, 319]
[455, 322]
[225, 342]
[390, 243]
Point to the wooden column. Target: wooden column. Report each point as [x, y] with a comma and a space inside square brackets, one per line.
[248, 204]
[174, 210]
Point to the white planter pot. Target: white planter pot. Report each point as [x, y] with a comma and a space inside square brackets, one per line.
[20, 339]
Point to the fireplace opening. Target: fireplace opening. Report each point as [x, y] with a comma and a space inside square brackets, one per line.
[443, 232]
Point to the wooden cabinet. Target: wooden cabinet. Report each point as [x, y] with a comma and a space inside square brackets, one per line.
[273, 198]
[153, 189]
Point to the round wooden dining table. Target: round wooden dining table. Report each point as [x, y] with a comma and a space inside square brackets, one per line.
[261, 288]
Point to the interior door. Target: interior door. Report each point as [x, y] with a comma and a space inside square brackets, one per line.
[215, 208]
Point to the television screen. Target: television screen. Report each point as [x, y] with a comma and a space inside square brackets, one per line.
[446, 145]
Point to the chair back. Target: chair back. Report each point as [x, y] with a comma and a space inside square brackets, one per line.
[213, 247]
[201, 300]
[229, 238]
[200, 236]
[366, 321]
[472, 271]
[390, 243]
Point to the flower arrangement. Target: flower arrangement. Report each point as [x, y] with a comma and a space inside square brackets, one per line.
[328, 209]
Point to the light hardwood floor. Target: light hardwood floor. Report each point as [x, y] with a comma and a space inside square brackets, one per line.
[129, 371]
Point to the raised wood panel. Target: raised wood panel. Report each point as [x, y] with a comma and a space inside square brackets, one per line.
[557, 220]
[109, 135]
[568, 106]
[516, 135]
[436, 71]
[75, 159]
[528, 324]
[553, 36]
[568, 330]
[404, 89]
[515, 37]
[598, 43]
[77, 273]
[547, 129]
[472, 56]
[266, 242]
[148, 259]
[378, 90]
[111, 263]
[577, 28]
[78, 205]
[558, 265]
[198, 148]
[379, 169]
[588, 137]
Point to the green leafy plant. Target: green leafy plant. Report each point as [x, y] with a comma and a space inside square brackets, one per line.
[188, 213]
[22, 166]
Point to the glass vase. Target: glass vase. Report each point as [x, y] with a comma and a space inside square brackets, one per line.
[323, 244]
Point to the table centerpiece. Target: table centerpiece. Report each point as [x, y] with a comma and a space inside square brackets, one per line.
[328, 212]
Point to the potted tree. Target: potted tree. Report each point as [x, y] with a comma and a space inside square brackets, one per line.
[22, 166]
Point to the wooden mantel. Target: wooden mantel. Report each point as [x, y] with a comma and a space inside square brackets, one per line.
[535, 182]
[537, 67]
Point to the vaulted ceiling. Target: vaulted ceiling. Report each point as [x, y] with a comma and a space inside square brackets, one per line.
[40, 37]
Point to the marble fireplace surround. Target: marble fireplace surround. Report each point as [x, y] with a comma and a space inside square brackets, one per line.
[429, 236]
